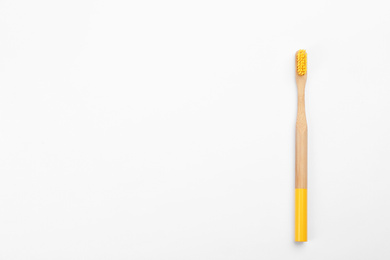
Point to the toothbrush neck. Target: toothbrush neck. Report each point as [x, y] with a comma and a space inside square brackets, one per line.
[301, 104]
[301, 96]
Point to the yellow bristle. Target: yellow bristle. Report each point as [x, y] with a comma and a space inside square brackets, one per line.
[301, 62]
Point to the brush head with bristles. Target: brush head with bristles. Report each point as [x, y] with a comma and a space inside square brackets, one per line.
[301, 61]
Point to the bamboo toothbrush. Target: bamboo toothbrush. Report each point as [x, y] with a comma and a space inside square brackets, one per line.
[301, 151]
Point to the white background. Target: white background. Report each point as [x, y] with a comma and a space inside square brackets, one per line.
[165, 129]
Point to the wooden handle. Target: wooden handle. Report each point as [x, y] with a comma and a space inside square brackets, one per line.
[301, 165]
[301, 138]
[301, 159]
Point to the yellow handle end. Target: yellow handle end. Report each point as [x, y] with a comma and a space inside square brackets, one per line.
[301, 215]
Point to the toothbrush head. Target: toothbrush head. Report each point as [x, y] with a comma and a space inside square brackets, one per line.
[301, 61]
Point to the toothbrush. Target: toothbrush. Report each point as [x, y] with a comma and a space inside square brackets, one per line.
[301, 151]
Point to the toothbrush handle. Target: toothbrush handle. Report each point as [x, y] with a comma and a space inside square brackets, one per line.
[301, 174]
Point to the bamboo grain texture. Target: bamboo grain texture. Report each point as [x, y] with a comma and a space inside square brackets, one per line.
[301, 136]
